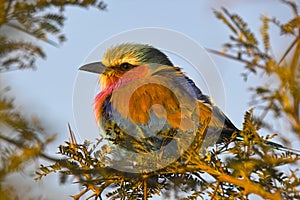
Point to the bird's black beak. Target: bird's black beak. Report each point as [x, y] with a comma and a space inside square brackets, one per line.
[95, 67]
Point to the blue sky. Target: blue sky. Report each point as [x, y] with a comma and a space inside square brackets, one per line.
[48, 91]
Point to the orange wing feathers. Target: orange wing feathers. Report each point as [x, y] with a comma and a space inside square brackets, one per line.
[161, 91]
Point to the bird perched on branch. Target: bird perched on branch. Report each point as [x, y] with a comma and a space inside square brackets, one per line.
[148, 101]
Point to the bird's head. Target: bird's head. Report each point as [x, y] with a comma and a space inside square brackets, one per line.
[121, 58]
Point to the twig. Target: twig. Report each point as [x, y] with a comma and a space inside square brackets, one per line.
[234, 58]
[77, 196]
[21, 145]
[7, 10]
[215, 191]
[31, 34]
[145, 190]
[288, 50]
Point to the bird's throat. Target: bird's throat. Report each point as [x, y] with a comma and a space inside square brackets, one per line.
[107, 81]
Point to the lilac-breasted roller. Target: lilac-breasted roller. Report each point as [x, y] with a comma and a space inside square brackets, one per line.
[144, 99]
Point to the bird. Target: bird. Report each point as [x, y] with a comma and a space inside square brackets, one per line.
[146, 101]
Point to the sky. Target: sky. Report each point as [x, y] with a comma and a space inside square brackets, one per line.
[48, 92]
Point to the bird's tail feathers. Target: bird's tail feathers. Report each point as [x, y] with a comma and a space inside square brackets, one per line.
[282, 148]
[274, 145]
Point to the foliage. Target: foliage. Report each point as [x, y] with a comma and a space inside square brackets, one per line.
[235, 170]
[23, 139]
[38, 19]
[250, 167]
[281, 97]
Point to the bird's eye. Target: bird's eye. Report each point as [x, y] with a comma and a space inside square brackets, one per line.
[126, 66]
